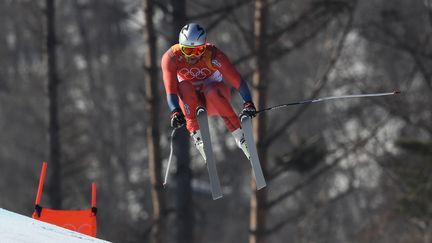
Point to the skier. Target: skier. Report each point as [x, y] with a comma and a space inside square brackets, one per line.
[193, 74]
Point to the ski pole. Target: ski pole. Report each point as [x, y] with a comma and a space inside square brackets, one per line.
[328, 98]
[170, 155]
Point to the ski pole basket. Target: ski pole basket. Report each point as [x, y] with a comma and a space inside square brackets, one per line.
[82, 221]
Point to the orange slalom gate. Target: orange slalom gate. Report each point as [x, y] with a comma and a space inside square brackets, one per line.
[82, 221]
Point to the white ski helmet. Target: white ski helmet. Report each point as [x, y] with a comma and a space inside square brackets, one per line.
[192, 35]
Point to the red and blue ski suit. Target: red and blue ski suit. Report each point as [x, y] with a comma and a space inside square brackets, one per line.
[189, 86]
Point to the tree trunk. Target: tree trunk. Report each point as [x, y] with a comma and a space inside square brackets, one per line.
[184, 206]
[55, 186]
[259, 91]
[153, 137]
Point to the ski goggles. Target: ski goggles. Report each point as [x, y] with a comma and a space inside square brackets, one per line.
[193, 50]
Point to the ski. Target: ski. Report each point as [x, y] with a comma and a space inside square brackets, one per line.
[246, 123]
[208, 150]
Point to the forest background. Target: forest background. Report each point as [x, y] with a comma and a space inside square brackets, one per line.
[81, 88]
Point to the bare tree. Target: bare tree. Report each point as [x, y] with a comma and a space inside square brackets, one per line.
[317, 16]
[55, 186]
[258, 199]
[153, 137]
[185, 221]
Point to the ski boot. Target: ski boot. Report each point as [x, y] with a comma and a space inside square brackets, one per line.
[196, 135]
[241, 142]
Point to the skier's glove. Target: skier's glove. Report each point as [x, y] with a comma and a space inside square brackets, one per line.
[249, 109]
[177, 118]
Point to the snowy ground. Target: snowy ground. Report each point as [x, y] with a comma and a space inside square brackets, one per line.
[15, 228]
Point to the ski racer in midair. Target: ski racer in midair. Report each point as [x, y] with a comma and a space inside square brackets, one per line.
[193, 73]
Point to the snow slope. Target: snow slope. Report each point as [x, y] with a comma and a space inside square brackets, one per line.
[16, 228]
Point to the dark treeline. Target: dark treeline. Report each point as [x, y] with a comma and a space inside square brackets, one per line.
[81, 88]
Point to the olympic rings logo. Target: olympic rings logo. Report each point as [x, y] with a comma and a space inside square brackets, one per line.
[194, 73]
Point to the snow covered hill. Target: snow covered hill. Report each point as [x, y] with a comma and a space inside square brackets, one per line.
[16, 228]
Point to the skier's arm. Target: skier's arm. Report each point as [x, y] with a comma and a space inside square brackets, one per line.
[169, 75]
[231, 75]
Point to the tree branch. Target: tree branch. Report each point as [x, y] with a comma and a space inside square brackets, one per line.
[307, 211]
[317, 174]
[224, 10]
[279, 131]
